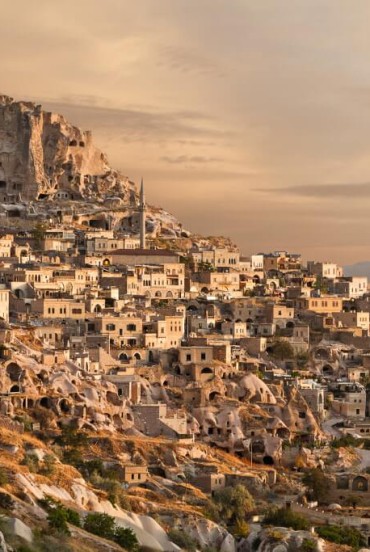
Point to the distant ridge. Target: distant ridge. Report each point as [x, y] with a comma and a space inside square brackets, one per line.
[358, 269]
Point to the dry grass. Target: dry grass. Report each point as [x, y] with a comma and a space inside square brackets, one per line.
[332, 547]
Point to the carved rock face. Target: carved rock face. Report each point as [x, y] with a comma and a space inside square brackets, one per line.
[42, 156]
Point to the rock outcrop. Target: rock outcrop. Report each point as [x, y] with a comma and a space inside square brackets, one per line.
[42, 156]
[280, 539]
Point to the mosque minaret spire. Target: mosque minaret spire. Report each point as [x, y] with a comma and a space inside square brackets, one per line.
[142, 210]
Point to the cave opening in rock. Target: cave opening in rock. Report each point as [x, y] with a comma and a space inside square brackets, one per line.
[45, 402]
[65, 407]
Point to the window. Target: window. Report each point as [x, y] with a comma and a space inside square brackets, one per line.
[76, 311]
[188, 357]
[203, 356]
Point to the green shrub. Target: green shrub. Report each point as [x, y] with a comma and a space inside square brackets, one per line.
[73, 457]
[72, 437]
[57, 519]
[73, 517]
[6, 501]
[4, 479]
[32, 463]
[241, 529]
[44, 416]
[102, 525]
[183, 540]
[308, 545]
[256, 543]
[57, 511]
[90, 467]
[48, 502]
[49, 465]
[341, 535]
[346, 441]
[275, 534]
[283, 517]
[126, 538]
[114, 490]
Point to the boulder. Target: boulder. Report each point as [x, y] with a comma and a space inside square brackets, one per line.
[18, 528]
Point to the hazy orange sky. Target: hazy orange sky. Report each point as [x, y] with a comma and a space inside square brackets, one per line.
[249, 118]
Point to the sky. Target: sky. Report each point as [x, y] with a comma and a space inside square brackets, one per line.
[246, 118]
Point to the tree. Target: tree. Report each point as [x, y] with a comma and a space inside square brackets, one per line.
[102, 525]
[205, 266]
[71, 437]
[282, 350]
[319, 484]
[233, 504]
[321, 285]
[38, 233]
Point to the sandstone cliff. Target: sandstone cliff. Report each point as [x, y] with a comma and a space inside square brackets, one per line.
[42, 156]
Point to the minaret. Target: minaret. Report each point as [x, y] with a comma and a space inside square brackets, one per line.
[142, 208]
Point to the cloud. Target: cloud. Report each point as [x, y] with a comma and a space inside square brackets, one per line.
[190, 62]
[322, 191]
[190, 159]
[138, 125]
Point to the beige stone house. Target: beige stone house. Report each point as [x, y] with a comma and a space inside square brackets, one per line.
[123, 330]
[6, 245]
[164, 331]
[218, 257]
[325, 269]
[324, 304]
[352, 287]
[60, 308]
[352, 319]
[216, 282]
[349, 399]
